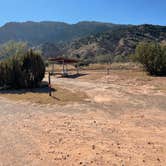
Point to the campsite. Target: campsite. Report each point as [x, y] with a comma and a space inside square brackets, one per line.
[83, 83]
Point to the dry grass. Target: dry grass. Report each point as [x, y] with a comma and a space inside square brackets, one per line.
[59, 96]
[131, 74]
[96, 75]
[95, 67]
[126, 66]
[99, 67]
[115, 66]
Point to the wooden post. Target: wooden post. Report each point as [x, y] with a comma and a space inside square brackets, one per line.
[77, 69]
[53, 68]
[63, 68]
[49, 83]
[66, 72]
[108, 69]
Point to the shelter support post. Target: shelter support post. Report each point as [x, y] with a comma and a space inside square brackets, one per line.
[49, 83]
[63, 70]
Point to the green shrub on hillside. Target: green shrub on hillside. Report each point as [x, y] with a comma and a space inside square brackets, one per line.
[106, 58]
[13, 48]
[153, 58]
[121, 58]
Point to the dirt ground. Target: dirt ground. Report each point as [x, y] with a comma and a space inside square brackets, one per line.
[121, 122]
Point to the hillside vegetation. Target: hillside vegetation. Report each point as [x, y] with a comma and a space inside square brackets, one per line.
[117, 42]
[88, 41]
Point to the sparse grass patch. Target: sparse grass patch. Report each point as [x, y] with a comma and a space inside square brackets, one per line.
[115, 66]
[126, 66]
[60, 96]
[131, 74]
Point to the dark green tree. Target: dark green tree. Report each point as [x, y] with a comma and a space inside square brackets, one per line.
[22, 71]
[33, 68]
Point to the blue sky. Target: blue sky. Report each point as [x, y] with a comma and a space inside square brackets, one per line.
[72, 11]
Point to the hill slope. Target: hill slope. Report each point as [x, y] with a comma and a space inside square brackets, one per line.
[118, 41]
[54, 32]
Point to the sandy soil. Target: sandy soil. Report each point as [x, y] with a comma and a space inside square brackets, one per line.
[122, 123]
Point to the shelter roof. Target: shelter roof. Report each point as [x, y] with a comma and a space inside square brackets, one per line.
[62, 60]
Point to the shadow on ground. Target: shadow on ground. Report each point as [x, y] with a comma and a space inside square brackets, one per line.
[42, 89]
[73, 76]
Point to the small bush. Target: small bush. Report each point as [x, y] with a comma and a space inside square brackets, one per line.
[25, 71]
[121, 58]
[106, 58]
[153, 58]
[83, 63]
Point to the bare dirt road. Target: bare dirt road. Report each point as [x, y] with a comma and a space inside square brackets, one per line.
[122, 123]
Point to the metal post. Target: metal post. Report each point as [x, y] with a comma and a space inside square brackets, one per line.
[49, 83]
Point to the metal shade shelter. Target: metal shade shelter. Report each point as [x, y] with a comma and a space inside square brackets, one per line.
[64, 62]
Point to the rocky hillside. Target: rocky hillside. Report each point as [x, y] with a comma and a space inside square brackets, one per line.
[37, 33]
[118, 41]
